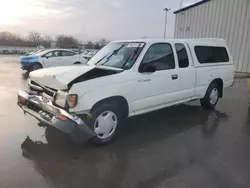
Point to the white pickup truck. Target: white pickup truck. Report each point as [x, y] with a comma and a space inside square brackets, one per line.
[124, 79]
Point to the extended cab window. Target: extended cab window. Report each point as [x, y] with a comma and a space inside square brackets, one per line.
[182, 55]
[161, 56]
[210, 54]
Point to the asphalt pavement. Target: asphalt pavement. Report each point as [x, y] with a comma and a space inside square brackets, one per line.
[183, 146]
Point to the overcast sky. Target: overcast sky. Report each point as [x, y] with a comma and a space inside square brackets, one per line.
[90, 19]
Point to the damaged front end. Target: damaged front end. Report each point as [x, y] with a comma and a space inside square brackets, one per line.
[49, 100]
[50, 115]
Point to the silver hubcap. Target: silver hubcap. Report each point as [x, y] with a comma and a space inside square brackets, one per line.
[214, 96]
[36, 66]
[105, 124]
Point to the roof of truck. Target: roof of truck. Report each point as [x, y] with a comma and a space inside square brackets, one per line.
[211, 41]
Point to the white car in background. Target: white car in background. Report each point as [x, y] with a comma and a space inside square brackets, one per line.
[51, 58]
[89, 54]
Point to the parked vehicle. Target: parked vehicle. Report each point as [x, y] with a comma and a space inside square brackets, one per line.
[89, 54]
[6, 52]
[124, 79]
[50, 58]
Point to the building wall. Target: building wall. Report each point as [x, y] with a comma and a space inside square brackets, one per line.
[228, 19]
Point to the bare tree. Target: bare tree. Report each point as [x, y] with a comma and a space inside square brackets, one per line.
[103, 42]
[48, 38]
[89, 45]
[66, 42]
[8, 38]
[46, 41]
[59, 41]
[35, 37]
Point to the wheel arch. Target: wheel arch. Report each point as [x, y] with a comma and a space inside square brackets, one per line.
[120, 101]
[77, 63]
[39, 63]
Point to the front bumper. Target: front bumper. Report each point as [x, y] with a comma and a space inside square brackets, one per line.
[47, 114]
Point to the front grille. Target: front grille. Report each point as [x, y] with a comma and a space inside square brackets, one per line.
[45, 114]
[49, 92]
[33, 86]
[34, 83]
[43, 90]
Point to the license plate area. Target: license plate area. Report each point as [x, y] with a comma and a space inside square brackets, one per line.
[46, 115]
[48, 107]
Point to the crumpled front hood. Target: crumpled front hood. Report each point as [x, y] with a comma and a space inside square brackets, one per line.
[59, 77]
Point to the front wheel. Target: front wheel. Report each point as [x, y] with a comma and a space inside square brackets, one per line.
[106, 118]
[36, 66]
[212, 96]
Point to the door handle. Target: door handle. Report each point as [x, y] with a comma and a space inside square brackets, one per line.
[174, 76]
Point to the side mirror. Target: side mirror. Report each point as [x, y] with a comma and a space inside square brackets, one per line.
[147, 68]
[45, 56]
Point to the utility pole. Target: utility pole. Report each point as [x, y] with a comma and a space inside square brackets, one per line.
[166, 20]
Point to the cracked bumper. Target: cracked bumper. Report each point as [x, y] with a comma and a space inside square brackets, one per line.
[58, 118]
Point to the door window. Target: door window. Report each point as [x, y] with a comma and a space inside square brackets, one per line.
[161, 56]
[182, 55]
[67, 53]
[52, 54]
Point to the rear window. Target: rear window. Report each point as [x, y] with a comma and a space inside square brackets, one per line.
[210, 54]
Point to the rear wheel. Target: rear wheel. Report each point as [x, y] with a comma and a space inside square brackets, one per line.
[105, 121]
[212, 96]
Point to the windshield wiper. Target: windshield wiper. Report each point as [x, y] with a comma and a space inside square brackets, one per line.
[131, 55]
[113, 53]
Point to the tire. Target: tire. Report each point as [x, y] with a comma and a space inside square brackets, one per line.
[36, 66]
[106, 129]
[212, 96]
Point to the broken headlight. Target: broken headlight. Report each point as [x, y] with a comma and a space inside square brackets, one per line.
[61, 97]
[65, 100]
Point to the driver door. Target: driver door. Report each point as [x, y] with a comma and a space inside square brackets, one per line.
[68, 58]
[157, 89]
[52, 59]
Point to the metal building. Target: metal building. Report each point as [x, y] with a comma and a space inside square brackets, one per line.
[228, 19]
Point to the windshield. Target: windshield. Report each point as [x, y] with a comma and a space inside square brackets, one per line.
[37, 52]
[119, 55]
[41, 53]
